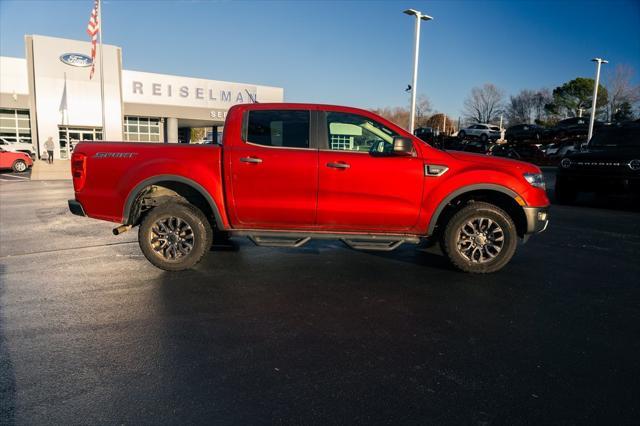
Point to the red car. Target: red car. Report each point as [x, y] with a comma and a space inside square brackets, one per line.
[16, 161]
[288, 173]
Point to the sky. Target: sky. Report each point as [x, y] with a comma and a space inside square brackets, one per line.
[356, 53]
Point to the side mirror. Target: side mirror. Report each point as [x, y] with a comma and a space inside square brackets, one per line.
[402, 146]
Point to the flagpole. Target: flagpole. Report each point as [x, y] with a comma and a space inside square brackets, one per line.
[100, 27]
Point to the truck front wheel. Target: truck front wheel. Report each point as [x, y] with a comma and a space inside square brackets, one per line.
[175, 236]
[480, 238]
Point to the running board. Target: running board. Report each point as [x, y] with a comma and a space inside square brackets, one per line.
[373, 242]
[374, 245]
[278, 241]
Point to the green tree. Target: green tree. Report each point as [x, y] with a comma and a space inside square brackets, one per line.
[576, 95]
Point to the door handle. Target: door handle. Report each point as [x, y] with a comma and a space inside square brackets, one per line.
[338, 165]
[251, 160]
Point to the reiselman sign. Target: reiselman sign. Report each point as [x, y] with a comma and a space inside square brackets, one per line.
[149, 88]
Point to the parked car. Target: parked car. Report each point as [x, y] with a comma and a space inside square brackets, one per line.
[17, 161]
[530, 153]
[11, 145]
[525, 132]
[571, 128]
[610, 163]
[427, 134]
[289, 173]
[558, 150]
[484, 132]
[476, 145]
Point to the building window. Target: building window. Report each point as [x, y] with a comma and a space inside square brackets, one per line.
[141, 129]
[15, 125]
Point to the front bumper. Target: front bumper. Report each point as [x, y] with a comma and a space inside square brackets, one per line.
[537, 219]
[76, 208]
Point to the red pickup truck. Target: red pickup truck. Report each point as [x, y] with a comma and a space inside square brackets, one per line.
[287, 173]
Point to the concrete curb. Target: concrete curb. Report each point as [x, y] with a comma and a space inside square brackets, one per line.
[59, 170]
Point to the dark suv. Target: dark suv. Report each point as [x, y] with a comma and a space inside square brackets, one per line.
[525, 132]
[427, 134]
[609, 163]
[571, 128]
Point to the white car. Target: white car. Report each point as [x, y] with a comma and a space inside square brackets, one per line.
[483, 131]
[14, 146]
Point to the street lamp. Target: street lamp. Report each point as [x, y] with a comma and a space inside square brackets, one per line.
[416, 48]
[599, 62]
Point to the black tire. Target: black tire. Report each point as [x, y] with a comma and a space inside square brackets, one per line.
[494, 219]
[461, 134]
[173, 253]
[19, 166]
[565, 192]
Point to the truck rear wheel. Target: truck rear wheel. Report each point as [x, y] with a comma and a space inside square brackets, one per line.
[175, 236]
[480, 238]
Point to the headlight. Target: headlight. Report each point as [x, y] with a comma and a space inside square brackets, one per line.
[535, 179]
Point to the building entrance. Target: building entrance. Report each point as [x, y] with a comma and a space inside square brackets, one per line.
[70, 136]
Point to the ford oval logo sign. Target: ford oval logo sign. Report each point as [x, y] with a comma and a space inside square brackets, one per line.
[76, 59]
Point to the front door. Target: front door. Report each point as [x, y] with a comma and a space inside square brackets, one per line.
[360, 191]
[274, 170]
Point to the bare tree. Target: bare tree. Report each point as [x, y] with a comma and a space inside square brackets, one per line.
[621, 90]
[441, 122]
[397, 115]
[484, 104]
[541, 99]
[423, 107]
[527, 107]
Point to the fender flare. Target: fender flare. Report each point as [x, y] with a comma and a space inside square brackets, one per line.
[133, 194]
[464, 190]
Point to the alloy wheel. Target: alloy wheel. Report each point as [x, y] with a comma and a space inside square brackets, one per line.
[171, 238]
[480, 240]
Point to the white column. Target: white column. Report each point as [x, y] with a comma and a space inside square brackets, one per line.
[172, 130]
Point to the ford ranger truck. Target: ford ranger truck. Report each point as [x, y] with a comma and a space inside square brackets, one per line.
[288, 173]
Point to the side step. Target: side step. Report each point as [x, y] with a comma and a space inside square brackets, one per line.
[278, 241]
[373, 244]
[379, 242]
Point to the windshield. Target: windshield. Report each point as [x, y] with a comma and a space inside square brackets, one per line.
[620, 137]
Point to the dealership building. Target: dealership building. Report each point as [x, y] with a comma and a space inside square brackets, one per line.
[49, 94]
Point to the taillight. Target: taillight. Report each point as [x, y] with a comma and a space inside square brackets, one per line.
[78, 170]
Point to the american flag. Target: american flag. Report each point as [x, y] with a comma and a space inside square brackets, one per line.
[93, 29]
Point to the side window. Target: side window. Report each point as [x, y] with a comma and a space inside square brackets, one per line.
[352, 132]
[279, 128]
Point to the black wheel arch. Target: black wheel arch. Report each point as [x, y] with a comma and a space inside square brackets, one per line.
[498, 195]
[186, 188]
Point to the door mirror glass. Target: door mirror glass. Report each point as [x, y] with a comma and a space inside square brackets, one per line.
[402, 146]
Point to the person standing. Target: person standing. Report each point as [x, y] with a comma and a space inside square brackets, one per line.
[49, 146]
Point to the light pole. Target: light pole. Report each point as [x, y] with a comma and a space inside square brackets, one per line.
[416, 49]
[599, 62]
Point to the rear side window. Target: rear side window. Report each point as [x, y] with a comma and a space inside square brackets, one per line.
[278, 128]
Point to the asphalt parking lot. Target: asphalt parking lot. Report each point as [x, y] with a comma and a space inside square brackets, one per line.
[91, 333]
[10, 176]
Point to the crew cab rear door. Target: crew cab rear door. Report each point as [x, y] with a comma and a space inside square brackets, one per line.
[359, 191]
[274, 170]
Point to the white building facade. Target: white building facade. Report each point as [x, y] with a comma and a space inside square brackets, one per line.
[49, 94]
